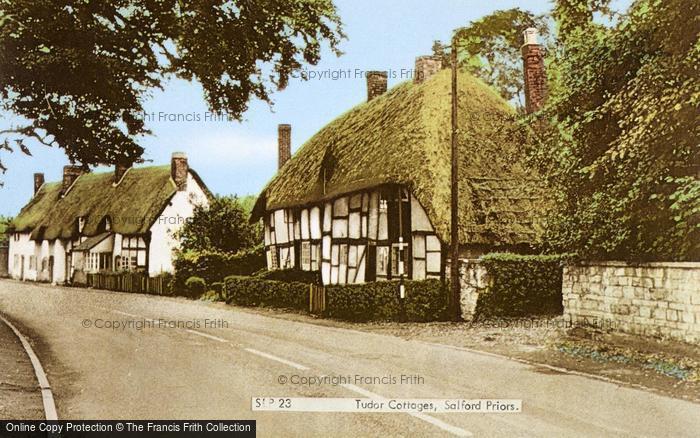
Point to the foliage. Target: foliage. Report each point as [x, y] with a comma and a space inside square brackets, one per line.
[521, 285]
[4, 223]
[214, 266]
[252, 291]
[79, 71]
[489, 48]
[425, 301]
[289, 275]
[195, 286]
[211, 295]
[620, 148]
[221, 226]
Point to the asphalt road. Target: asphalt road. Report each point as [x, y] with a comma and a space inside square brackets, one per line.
[213, 372]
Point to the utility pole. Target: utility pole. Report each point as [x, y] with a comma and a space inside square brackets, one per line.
[454, 298]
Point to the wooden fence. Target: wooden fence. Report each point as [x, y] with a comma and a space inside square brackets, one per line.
[129, 282]
[317, 299]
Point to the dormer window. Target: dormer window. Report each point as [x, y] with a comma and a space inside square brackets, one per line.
[81, 223]
[105, 225]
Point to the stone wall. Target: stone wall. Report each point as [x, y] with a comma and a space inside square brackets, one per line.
[473, 281]
[653, 299]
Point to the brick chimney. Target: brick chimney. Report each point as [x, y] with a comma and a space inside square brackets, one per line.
[38, 181]
[119, 171]
[426, 66]
[376, 84]
[533, 69]
[70, 174]
[179, 170]
[284, 144]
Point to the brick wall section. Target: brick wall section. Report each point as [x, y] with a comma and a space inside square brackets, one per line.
[535, 77]
[70, 174]
[654, 299]
[284, 144]
[38, 181]
[179, 169]
[426, 67]
[376, 84]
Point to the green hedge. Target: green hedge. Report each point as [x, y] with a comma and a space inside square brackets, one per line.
[252, 292]
[291, 275]
[195, 287]
[521, 285]
[214, 266]
[379, 301]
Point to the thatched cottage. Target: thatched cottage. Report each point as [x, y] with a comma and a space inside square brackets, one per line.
[368, 197]
[95, 222]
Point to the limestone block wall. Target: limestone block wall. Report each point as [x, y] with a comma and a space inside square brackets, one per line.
[653, 299]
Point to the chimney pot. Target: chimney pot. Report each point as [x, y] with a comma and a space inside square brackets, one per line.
[426, 67]
[38, 181]
[70, 174]
[284, 144]
[376, 84]
[531, 35]
[534, 72]
[179, 170]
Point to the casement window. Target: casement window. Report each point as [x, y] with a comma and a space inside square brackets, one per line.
[315, 257]
[383, 261]
[105, 261]
[133, 255]
[44, 263]
[286, 258]
[306, 256]
[274, 258]
[32, 262]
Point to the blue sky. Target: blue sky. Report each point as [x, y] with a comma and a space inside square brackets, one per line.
[240, 157]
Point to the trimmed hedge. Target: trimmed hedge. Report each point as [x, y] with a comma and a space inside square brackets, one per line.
[195, 286]
[253, 292]
[426, 300]
[521, 285]
[214, 266]
[290, 275]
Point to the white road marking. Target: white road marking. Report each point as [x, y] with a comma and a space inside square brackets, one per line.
[46, 394]
[275, 358]
[427, 418]
[454, 430]
[205, 335]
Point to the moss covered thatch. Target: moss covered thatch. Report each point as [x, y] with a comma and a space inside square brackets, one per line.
[403, 137]
[132, 206]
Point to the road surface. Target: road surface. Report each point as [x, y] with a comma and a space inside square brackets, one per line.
[212, 372]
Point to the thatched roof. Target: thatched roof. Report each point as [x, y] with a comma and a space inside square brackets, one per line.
[403, 137]
[132, 206]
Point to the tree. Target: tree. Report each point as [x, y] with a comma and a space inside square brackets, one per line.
[223, 226]
[79, 71]
[4, 223]
[489, 48]
[621, 146]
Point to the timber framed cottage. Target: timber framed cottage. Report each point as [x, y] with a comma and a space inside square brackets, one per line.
[104, 222]
[368, 197]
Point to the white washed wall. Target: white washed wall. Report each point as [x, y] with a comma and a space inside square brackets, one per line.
[163, 242]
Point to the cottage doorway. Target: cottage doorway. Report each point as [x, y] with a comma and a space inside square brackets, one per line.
[68, 267]
[50, 269]
[21, 268]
